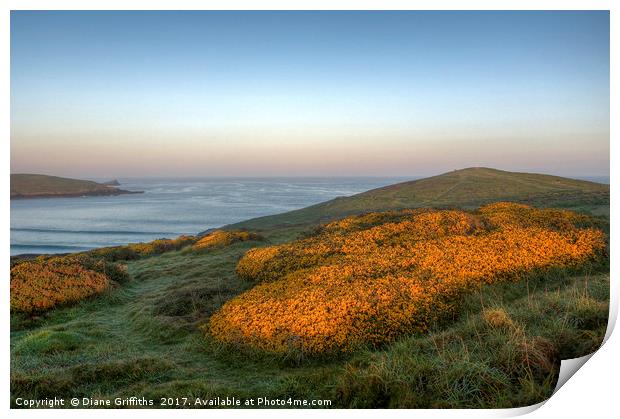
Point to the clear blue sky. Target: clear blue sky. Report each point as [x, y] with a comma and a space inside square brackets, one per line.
[308, 93]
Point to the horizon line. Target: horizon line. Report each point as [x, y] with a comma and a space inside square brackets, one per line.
[322, 176]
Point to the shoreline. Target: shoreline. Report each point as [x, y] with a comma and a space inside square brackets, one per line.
[112, 192]
[560, 192]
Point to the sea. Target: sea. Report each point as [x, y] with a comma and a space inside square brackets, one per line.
[166, 209]
[170, 207]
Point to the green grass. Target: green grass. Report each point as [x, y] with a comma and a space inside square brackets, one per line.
[474, 364]
[467, 188]
[143, 339]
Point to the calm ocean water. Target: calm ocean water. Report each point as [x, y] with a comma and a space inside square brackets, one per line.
[168, 208]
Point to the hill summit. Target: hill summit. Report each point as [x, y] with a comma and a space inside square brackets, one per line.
[465, 188]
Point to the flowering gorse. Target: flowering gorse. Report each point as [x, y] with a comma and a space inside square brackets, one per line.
[47, 281]
[134, 251]
[38, 286]
[369, 279]
[221, 238]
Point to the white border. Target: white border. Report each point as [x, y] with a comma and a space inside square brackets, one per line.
[592, 392]
[308, 5]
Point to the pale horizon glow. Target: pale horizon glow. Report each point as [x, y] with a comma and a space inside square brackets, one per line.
[189, 94]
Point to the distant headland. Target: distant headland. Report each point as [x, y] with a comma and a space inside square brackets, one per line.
[25, 186]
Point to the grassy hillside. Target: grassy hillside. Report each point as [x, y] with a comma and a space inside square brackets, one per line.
[501, 349]
[467, 188]
[36, 186]
[143, 340]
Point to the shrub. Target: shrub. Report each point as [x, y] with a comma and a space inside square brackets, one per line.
[506, 214]
[221, 238]
[37, 286]
[261, 264]
[114, 271]
[159, 246]
[349, 285]
[137, 250]
[47, 281]
[341, 238]
[114, 253]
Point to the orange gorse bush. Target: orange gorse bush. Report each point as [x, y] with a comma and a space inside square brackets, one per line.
[47, 281]
[221, 238]
[339, 238]
[37, 286]
[158, 246]
[137, 250]
[370, 279]
[504, 214]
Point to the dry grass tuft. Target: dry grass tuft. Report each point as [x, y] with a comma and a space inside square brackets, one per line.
[497, 318]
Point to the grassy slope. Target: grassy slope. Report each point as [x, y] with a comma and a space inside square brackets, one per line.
[467, 188]
[142, 340]
[36, 185]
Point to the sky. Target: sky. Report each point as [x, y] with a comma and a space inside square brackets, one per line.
[146, 93]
